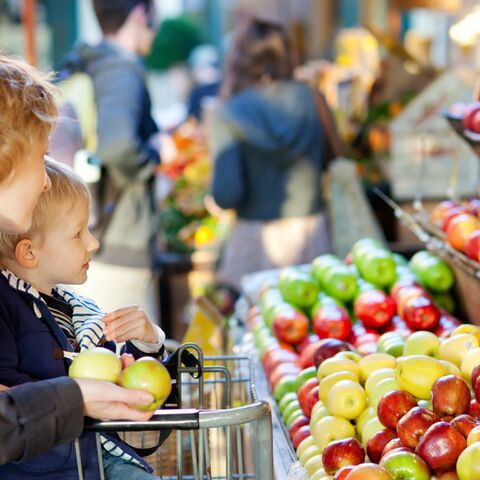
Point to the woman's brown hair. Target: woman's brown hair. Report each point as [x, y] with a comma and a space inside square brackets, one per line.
[262, 50]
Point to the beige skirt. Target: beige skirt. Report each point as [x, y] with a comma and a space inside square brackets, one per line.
[258, 245]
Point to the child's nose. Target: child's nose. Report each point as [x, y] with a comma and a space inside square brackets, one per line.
[94, 244]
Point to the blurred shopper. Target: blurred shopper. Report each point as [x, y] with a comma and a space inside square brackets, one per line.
[268, 145]
[128, 150]
[37, 416]
[204, 63]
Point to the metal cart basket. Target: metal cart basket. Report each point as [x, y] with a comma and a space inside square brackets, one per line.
[222, 430]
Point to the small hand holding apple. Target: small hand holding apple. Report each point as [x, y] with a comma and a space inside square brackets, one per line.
[3, 387]
[129, 323]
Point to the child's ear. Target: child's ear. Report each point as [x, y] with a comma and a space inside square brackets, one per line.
[25, 254]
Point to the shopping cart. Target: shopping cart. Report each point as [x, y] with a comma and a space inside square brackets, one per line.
[221, 431]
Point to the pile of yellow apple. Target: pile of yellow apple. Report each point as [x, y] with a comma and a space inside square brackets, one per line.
[383, 417]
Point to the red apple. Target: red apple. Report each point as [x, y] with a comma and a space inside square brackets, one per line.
[414, 424]
[459, 230]
[276, 357]
[451, 214]
[290, 325]
[402, 283]
[369, 471]
[343, 472]
[476, 389]
[328, 347]
[440, 446]
[367, 343]
[296, 424]
[374, 308]
[420, 313]
[451, 475]
[377, 443]
[474, 409]
[280, 371]
[303, 392]
[340, 453]
[311, 400]
[306, 356]
[469, 112]
[438, 214]
[450, 396]
[464, 424]
[393, 406]
[395, 444]
[332, 321]
[475, 374]
[300, 434]
[472, 248]
[405, 294]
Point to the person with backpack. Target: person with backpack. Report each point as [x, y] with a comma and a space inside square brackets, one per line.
[126, 149]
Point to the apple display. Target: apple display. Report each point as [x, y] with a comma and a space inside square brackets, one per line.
[450, 396]
[285, 385]
[405, 466]
[327, 348]
[329, 381]
[377, 442]
[331, 428]
[393, 406]
[440, 446]
[97, 364]
[374, 308]
[150, 375]
[340, 282]
[474, 409]
[311, 400]
[370, 428]
[304, 375]
[303, 392]
[341, 453]
[375, 361]
[313, 464]
[383, 387]
[364, 417]
[346, 399]
[332, 321]
[334, 364]
[420, 313]
[305, 359]
[281, 371]
[289, 325]
[297, 287]
[304, 444]
[414, 424]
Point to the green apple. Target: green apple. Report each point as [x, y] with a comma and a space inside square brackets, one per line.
[308, 453]
[313, 464]
[346, 399]
[285, 385]
[445, 300]
[286, 400]
[97, 364]
[319, 411]
[399, 259]
[376, 377]
[422, 342]
[468, 463]
[297, 287]
[405, 466]
[381, 388]
[432, 272]
[304, 375]
[370, 428]
[293, 416]
[331, 428]
[268, 301]
[340, 282]
[321, 264]
[378, 267]
[291, 407]
[391, 343]
[361, 247]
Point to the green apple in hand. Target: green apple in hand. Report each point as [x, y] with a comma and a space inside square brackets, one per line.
[97, 364]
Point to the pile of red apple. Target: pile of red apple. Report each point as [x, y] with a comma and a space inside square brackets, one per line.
[461, 224]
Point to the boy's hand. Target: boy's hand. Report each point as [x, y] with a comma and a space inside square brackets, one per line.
[129, 323]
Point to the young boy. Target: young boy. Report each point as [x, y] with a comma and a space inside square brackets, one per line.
[42, 323]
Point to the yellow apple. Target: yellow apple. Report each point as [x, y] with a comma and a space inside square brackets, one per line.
[304, 444]
[469, 361]
[468, 463]
[452, 368]
[364, 417]
[473, 436]
[320, 475]
[319, 411]
[454, 348]
[346, 399]
[356, 357]
[467, 328]
[375, 361]
[381, 388]
[371, 428]
[422, 343]
[333, 365]
[418, 373]
[376, 377]
[308, 453]
[313, 464]
[326, 383]
[331, 428]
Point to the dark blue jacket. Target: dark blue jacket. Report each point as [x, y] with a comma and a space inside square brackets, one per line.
[268, 146]
[31, 349]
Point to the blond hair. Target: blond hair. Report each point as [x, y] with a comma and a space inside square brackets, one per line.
[67, 191]
[28, 110]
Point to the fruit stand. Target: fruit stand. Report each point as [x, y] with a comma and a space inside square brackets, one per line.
[356, 354]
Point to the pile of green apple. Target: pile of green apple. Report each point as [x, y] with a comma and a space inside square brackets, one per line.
[146, 373]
